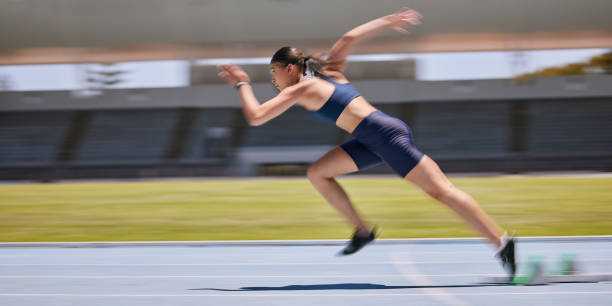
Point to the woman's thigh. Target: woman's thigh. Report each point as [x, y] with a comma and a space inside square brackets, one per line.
[428, 176]
[334, 163]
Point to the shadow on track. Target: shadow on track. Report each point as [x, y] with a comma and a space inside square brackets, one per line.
[347, 286]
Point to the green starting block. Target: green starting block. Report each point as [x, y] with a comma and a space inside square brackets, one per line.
[535, 272]
[566, 270]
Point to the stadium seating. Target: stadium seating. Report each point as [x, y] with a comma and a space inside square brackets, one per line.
[32, 137]
[468, 129]
[134, 136]
[211, 135]
[567, 127]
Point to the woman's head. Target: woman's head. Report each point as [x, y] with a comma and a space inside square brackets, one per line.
[287, 66]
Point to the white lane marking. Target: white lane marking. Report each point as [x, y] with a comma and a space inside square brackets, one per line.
[240, 276]
[267, 263]
[63, 276]
[200, 255]
[233, 264]
[140, 255]
[409, 270]
[250, 294]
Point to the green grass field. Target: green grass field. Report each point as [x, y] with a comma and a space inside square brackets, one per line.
[292, 209]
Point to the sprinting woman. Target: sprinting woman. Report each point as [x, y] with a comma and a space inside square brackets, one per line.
[320, 87]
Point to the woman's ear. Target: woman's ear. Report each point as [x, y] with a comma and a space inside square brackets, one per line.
[291, 68]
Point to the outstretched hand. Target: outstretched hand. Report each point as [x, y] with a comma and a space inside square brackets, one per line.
[405, 16]
[232, 74]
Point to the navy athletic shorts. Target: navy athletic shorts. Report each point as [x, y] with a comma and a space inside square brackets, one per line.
[382, 138]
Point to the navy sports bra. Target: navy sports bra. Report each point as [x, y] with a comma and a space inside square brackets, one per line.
[340, 98]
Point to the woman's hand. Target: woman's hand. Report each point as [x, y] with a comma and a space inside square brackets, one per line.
[402, 17]
[340, 50]
[232, 74]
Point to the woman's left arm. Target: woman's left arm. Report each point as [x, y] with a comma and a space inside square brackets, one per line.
[405, 16]
[255, 113]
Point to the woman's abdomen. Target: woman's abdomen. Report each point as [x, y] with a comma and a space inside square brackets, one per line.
[357, 110]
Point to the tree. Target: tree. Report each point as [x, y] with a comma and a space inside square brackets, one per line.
[600, 64]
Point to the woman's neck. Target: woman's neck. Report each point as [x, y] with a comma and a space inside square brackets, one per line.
[305, 77]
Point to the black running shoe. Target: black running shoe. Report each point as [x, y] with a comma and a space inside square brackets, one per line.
[358, 242]
[507, 257]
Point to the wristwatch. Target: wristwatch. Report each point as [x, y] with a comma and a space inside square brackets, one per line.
[237, 85]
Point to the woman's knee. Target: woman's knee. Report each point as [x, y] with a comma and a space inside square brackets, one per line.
[315, 172]
[441, 192]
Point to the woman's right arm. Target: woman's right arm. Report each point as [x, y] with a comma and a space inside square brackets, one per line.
[254, 112]
[343, 47]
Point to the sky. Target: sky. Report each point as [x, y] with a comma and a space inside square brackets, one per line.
[175, 73]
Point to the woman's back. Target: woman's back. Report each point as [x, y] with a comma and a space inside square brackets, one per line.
[336, 101]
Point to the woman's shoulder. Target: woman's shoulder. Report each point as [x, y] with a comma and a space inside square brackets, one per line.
[336, 76]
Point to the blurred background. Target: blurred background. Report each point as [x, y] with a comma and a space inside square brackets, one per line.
[128, 89]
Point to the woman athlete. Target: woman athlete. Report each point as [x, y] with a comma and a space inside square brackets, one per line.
[320, 87]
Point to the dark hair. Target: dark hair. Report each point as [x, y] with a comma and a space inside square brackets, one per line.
[290, 55]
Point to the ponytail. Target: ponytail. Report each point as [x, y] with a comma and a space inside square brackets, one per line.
[320, 62]
[310, 64]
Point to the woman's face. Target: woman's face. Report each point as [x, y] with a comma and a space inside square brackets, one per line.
[283, 77]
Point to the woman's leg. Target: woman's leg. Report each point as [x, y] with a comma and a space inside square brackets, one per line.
[322, 176]
[428, 176]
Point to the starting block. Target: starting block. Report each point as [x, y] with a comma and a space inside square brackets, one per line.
[566, 270]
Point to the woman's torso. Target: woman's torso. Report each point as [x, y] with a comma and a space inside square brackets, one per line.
[320, 91]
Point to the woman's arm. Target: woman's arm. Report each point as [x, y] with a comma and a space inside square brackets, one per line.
[341, 49]
[255, 113]
[258, 114]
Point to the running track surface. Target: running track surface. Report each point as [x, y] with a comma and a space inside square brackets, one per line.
[390, 272]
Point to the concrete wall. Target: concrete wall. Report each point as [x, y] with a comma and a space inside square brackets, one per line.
[550, 124]
[375, 91]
